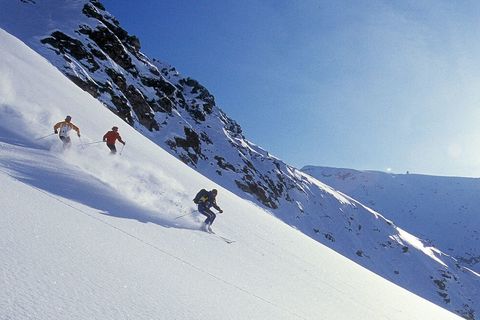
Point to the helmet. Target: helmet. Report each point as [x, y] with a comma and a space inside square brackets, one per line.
[68, 118]
[214, 191]
[114, 128]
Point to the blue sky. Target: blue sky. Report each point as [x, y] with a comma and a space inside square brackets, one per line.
[381, 85]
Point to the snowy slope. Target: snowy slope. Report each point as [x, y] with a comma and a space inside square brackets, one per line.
[442, 210]
[88, 45]
[89, 236]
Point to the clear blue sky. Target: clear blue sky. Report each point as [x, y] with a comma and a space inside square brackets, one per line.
[381, 85]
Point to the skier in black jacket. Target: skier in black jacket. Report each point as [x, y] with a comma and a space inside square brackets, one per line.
[205, 200]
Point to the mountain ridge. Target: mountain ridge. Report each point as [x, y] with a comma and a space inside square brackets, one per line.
[441, 210]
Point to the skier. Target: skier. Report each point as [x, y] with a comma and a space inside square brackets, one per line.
[205, 200]
[65, 127]
[111, 137]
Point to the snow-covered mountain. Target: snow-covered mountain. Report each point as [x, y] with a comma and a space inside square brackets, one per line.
[177, 113]
[88, 45]
[91, 236]
[442, 210]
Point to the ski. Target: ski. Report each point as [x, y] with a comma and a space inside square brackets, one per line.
[210, 231]
[223, 238]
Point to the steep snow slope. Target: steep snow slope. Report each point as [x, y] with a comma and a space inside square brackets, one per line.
[88, 45]
[442, 210]
[86, 235]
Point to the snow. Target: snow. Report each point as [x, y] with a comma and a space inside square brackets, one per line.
[86, 235]
[416, 243]
[442, 210]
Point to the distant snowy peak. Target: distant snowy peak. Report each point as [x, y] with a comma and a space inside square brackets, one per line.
[442, 210]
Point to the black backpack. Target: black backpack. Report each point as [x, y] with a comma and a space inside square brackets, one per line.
[202, 193]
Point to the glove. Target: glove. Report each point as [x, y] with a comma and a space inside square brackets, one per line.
[221, 211]
[56, 131]
[78, 134]
[123, 142]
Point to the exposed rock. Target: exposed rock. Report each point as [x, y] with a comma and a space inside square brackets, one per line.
[257, 190]
[64, 44]
[111, 45]
[86, 85]
[224, 164]
[191, 141]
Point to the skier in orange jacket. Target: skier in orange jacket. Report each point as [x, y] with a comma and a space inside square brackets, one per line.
[111, 137]
[65, 127]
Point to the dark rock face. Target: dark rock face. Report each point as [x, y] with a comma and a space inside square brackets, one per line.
[190, 144]
[258, 190]
[105, 39]
[65, 44]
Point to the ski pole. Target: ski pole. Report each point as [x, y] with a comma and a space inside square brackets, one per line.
[86, 144]
[183, 215]
[122, 149]
[81, 143]
[48, 135]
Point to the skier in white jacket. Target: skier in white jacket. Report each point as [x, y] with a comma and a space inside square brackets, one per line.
[64, 127]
